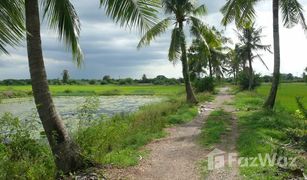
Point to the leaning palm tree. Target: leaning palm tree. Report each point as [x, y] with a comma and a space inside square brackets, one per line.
[242, 11]
[181, 12]
[250, 39]
[62, 17]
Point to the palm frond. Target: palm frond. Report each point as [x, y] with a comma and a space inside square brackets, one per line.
[62, 17]
[155, 31]
[293, 13]
[200, 11]
[240, 11]
[175, 46]
[133, 13]
[262, 61]
[12, 26]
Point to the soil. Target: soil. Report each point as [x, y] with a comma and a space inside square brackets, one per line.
[178, 155]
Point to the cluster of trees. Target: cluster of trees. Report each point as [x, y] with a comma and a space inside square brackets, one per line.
[208, 51]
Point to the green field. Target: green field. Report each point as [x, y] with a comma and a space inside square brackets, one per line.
[76, 90]
[286, 94]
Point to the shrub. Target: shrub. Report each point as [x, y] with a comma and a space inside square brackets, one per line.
[243, 80]
[204, 84]
[21, 155]
[92, 82]
[127, 81]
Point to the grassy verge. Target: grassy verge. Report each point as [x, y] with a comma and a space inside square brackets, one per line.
[217, 124]
[90, 90]
[117, 141]
[268, 133]
[114, 141]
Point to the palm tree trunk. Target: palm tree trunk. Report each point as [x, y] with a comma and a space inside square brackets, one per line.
[251, 72]
[185, 71]
[270, 102]
[66, 153]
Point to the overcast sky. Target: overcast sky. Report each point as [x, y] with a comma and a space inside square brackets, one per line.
[111, 50]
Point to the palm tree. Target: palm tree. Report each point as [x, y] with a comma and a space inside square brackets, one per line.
[235, 61]
[242, 11]
[180, 12]
[208, 49]
[250, 39]
[62, 17]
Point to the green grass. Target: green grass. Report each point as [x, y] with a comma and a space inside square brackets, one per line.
[262, 132]
[80, 90]
[117, 141]
[215, 127]
[286, 94]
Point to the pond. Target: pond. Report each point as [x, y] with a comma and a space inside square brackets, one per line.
[24, 108]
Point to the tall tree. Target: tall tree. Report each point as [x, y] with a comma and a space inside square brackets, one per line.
[65, 76]
[242, 11]
[235, 62]
[180, 13]
[208, 49]
[62, 17]
[250, 39]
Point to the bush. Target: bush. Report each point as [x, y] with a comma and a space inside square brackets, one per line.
[204, 84]
[243, 80]
[127, 81]
[21, 155]
[92, 82]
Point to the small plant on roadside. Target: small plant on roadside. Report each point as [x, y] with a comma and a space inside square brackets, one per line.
[22, 156]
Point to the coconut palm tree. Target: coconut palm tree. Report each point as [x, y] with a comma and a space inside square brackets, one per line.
[62, 17]
[242, 11]
[250, 38]
[208, 48]
[180, 13]
[236, 62]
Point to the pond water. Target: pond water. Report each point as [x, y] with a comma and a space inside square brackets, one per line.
[24, 108]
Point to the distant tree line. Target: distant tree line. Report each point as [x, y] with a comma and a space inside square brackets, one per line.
[159, 80]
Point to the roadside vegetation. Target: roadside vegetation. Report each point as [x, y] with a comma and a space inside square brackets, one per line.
[112, 141]
[217, 124]
[267, 132]
[265, 127]
[90, 90]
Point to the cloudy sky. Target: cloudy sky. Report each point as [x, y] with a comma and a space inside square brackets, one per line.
[111, 50]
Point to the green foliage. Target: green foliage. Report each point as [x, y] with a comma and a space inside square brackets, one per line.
[65, 75]
[87, 111]
[141, 13]
[183, 115]
[286, 95]
[263, 131]
[11, 24]
[86, 90]
[243, 80]
[92, 82]
[204, 84]
[162, 80]
[215, 126]
[117, 140]
[22, 156]
[302, 109]
[127, 81]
